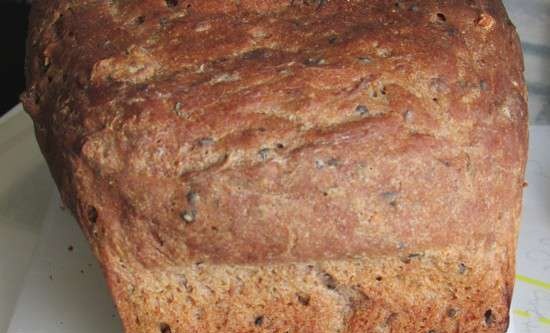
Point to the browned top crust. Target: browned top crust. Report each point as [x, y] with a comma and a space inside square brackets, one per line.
[251, 131]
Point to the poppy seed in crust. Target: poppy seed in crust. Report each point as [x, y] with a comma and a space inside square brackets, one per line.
[452, 312]
[489, 317]
[192, 197]
[333, 162]
[188, 216]
[328, 281]
[304, 299]
[140, 20]
[206, 142]
[165, 328]
[408, 116]
[171, 3]
[315, 61]
[319, 164]
[361, 109]
[91, 214]
[364, 59]
[264, 153]
[259, 320]
[483, 85]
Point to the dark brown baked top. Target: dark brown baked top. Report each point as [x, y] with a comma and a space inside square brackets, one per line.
[248, 131]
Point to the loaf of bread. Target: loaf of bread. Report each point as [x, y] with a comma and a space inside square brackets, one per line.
[299, 166]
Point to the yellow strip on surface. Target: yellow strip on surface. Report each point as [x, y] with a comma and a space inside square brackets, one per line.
[544, 320]
[522, 313]
[533, 282]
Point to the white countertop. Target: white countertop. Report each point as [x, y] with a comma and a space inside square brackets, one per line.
[532, 20]
[44, 287]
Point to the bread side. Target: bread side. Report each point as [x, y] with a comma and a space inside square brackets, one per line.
[458, 290]
[280, 137]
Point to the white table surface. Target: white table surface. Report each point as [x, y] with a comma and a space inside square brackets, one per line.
[45, 288]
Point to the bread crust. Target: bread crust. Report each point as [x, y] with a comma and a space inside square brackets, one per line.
[271, 136]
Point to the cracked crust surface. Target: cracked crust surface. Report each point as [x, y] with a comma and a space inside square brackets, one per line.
[260, 141]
